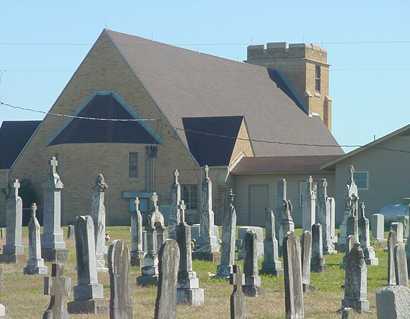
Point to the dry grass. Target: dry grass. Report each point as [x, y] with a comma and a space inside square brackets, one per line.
[23, 295]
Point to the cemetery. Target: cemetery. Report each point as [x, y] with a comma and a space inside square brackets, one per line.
[162, 267]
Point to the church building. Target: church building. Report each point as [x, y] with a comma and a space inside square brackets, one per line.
[136, 110]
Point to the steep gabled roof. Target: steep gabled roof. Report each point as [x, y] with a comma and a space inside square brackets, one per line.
[211, 140]
[13, 137]
[104, 106]
[185, 83]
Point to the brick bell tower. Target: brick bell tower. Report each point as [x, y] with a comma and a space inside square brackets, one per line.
[305, 67]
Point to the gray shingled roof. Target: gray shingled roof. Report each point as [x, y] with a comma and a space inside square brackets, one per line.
[185, 83]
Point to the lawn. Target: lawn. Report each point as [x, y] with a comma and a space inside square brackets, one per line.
[23, 295]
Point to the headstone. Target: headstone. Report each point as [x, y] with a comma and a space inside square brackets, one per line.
[317, 263]
[347, 313]
[195, 232]
[188, 291]
[364, 238]
[333, 235]
[98, 215]
[271, 263]
[405, 221]
[13, 250]
[120, 297]
[165, 304]
[242, 231]
[158, 221]
[325, 218]
[308, 204]
[287, 224]
[391, 267]
[70, 232]
[393, 302]
[306, 244]
[293, 277]
[281, 190]
[350, 241]
[237, 301]
[35, 264]
[58, 288]
[208, 244]
[137, 253]
[355, 288]
[89, 293]
[377, 226]
[398, 228]
[53, 245]
[2, 307]
[400, 264]
[228, 241]
[173, 217]
[251, 287]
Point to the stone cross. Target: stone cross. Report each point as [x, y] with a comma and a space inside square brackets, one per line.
[317, 263]
[173, 218]
[120, 297]
[59, 288]
[308, 204]
[293, 277]
[237, 300]
[137, 253]
[158, 221]
[306, 244]
[400, 264]
[355, 288]
[208, 245]
[252, 285]
[154, 199]
[165, 304]
[188, 291]
[224, 269]
[391, 268]
[271, 263]
[377, 226]
[98, 215]
[364, 238]
[13, 250]
[53, 164]
[35, 264]
[88, 293]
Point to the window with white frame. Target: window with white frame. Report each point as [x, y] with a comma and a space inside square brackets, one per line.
[361, 178]
[190, 195]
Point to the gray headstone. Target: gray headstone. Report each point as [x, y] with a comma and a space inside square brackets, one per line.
[271, 263]
[281, 196]
[306, 244]
[364, 238]
[53, 245]
[242, 231]
[398, 228]
[355, 288]
[188, 291]
[350, 241]
[293, 277]
[88, 293]
[158, 221]
[252, 284]
[137, 253]
[400, 264]
[237, 300]
[228, 241]
[377, 226]
[317, 263]
[173, 216]
[391, 268]
[35, 264]
[118, 264]
[333, 235]
[2, 307]
[325, 217]
[393, 302]
[405, 221]
[98, 215]
[165, 304]
[308, 196]
[287, 224]
[59, 288]
[70, 232]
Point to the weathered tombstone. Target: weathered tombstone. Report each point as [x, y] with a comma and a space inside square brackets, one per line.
[228, 241]
[173, 217]
[377, 226]
[393, 302]
[118, 263]
[188, 291]
[35, 264]
[308, 204]
[287, 224]
[317, 263]
[400, 264]
[251, 287]
[350, 241]
[13, 250]
[208, 244]
[355, 288]
[364, 238]
[53, 245]
[70, 232]
[237, 300]
[158, 221]
[242, 231]
[293, 277]
[324, 217]
[306, 244]
[137, 253]
[98, 215]
[391, 268]
[165, 304]
[332, 206]
[2, 307]
[271, 263]
[347, 313]
[58, 288]
[281, 190]
[89, 293]
[405, 221]
[398, 228]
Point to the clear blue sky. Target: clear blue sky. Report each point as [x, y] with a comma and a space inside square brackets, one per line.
[369, 81]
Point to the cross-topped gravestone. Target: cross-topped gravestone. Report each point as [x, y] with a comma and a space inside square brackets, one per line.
[237, 300]
[173, 218]
[58, 288]
[35, 264]
[120, 299]
[251, 287]
[364, 237]
[287, 224]
[166, 301]
[158, 221]
[16, 186]
[308, 196]
[271, 263]
[137, 253]
[325, 217]
[281, 193]
[53, 164]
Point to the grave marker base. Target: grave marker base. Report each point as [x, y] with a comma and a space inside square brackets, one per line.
[91, 306]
